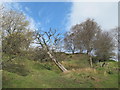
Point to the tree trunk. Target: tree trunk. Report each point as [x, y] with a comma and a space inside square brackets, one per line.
[72, 51]
[91, 64]
[61, 67]
[103, 64]
[90, 59]
[81, 50]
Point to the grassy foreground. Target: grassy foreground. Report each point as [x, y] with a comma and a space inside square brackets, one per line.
[23, 73]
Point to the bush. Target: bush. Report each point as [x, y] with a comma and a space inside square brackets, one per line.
[95, 59]
[16, 68]
[15, 65]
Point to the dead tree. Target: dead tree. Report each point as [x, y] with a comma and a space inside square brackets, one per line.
[48, 41]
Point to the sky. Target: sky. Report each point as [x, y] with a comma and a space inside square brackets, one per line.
[63, 15]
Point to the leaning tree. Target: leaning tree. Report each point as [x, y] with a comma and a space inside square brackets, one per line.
[48, 41]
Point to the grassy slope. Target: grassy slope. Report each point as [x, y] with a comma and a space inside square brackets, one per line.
[46, 75]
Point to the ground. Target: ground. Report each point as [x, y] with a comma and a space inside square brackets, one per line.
[24, 73]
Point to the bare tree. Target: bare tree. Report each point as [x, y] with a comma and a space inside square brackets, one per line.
[69, 42]
[78, 39]
[118, 42]
[114, 33]
[104, 46]
[90, 30]
[85, 35]
[48, 41]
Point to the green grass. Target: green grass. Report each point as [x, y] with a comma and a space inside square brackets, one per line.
[47, 75]
[38, 77]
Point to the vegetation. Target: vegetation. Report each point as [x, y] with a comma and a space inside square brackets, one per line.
[45, 66]
[46, 75]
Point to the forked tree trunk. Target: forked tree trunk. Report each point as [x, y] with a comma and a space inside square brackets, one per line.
[61, 67]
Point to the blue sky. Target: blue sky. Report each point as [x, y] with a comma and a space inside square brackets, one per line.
[45, 15]
[63, 15]
[48, 15]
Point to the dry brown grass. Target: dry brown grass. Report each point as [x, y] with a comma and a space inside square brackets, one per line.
[87, 70]
[82, 70]
[83, 74]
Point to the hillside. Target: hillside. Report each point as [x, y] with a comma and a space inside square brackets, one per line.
[24, 73]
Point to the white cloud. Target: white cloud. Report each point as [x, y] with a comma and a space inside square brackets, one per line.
[47, 21]
[33, 25]
[28, 10]
[105, 13]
